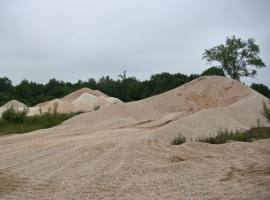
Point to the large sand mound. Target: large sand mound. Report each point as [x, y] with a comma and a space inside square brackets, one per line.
[201, 93]
[212, 102]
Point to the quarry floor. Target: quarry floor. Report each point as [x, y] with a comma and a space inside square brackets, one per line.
[129, 163]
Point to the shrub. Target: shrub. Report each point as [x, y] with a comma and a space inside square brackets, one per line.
[221, 137]
[179, 139]
[14, 116]
[224, 136]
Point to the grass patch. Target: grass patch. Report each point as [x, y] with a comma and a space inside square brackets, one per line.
[224, 136]
[14, 116]
[20, 123]
[179, 139]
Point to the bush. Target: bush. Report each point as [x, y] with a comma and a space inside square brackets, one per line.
[12, 115]
[179, 139]
[224, 136]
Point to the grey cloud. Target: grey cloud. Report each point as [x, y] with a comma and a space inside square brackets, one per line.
[78, 39]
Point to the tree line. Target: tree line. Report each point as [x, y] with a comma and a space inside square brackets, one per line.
[124, 87]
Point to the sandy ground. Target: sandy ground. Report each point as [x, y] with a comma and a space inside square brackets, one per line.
[123, 151]
[129, 164]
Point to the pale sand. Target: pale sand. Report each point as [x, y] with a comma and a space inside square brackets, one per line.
[15, 104]
[123, 151]
[74, 95]
[82, 100]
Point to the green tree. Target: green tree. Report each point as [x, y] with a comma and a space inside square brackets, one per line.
[261, 88]
[5, 84]
[213, 71]
[236, 57]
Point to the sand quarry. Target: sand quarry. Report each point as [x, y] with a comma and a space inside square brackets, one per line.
[123, 151]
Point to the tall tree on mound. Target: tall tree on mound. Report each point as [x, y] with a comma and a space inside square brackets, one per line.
[237, 57]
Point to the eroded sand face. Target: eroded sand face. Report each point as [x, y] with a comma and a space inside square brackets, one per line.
[122, 151]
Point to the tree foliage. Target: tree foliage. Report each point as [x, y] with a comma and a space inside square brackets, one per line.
[236, 57]
[213, 71]
[261, 88]
[125, 88]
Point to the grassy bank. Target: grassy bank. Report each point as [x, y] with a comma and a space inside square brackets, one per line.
[18, 122]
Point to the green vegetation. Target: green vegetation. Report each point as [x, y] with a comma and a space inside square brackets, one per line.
[213, 71]
[236, 57]
[179, 139]
[14, 116]
[124, 87]
[261, 88]
[224, 136]
[17, 122]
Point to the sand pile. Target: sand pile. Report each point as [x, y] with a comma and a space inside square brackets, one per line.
[82, 100]
[87, 102]
[199, 107]
[74, 95]
[15, 104]
[201, 93]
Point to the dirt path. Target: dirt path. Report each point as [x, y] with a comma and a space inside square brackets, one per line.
[129, 163]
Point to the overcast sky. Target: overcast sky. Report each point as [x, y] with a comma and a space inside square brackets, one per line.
[78, 39]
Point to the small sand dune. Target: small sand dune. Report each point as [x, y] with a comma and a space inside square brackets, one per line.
[14, 104]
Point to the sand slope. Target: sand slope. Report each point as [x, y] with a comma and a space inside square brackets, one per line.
[196, 108]
[122, 151]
